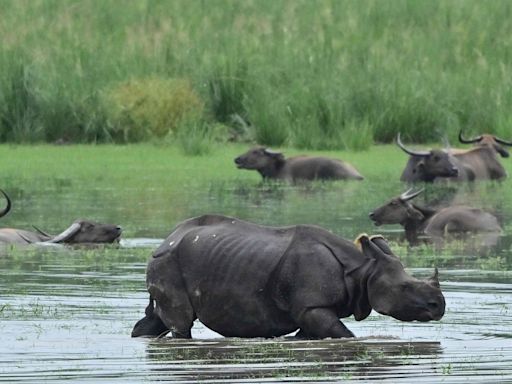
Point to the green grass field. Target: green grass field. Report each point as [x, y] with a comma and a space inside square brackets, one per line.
[308, 74]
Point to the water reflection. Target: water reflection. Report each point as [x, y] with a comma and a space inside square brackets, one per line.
[254, 360]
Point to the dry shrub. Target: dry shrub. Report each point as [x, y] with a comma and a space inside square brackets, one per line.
[152, 107]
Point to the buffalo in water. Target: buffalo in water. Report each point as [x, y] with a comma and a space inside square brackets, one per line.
[81, 231]
[479, 163]
[273, 165]
[486, 140]
[246, 280]
[418, 220]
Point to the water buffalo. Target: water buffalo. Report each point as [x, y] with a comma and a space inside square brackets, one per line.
[273, 165]
[479, 163]
[486, 140]
[246, 280]
[417, 220]
[81, 231]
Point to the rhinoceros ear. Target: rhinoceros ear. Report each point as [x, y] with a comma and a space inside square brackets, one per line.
[359, 239]
[434, 279]
[375, 247]
[381, 242]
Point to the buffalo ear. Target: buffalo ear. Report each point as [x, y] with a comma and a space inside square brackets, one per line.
[414, 213]
[434, 279]
[502, 151]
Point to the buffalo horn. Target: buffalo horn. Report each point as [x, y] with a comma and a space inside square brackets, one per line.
[468, 141]
[66, 234]
[408, 151]
[501, 141]
[7, 208]
[41, 231]
[407, 195]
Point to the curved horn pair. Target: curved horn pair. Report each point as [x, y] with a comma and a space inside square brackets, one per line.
[478, 138]
[7, 208]
[407, 195]
[409, 151]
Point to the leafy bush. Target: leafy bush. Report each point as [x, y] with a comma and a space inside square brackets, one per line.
[151, 107]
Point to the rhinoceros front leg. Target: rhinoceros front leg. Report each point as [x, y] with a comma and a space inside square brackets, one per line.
[319, 323]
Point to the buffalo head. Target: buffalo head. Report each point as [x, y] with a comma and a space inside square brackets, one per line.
[398, 210]
[490, 141]
[84, 231]
[259, 158]
[427, 165]
[393, 292]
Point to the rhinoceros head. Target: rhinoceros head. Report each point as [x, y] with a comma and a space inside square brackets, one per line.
[393, 292]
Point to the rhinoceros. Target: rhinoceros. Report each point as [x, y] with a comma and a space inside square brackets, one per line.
[246, 280]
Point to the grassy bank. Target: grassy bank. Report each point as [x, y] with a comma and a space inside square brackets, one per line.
[311, 74]
[148, 189]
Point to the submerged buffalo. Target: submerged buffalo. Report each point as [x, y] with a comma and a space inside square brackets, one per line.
[486, 140]
[273, 165]
[246, 280]
[81, 231]
[479, 163]
[420, 220]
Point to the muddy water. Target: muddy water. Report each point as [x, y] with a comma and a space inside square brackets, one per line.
[66, 314]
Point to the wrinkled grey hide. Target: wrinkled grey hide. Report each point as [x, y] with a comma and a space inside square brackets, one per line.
[273, 165]
[246, 280]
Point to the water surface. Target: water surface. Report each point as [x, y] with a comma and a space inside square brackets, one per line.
[66, 313]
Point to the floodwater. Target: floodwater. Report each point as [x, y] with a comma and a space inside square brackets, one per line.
[66, 313]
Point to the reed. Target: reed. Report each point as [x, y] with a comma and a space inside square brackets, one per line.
[319, 74]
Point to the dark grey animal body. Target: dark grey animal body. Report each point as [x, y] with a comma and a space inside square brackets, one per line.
[81, 231]
[246, 280]
[273, 165]
[479, 163]
[417, 220]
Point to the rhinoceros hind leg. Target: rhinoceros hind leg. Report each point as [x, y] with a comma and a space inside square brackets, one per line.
[320, 323]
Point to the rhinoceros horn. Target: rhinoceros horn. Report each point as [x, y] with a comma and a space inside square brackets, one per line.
[66, 234]
[409, 151]
[7, 208]
[434, 279]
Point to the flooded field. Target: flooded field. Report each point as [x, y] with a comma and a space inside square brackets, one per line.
[66, 313]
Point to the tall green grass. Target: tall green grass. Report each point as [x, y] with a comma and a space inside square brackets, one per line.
[322, 74]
